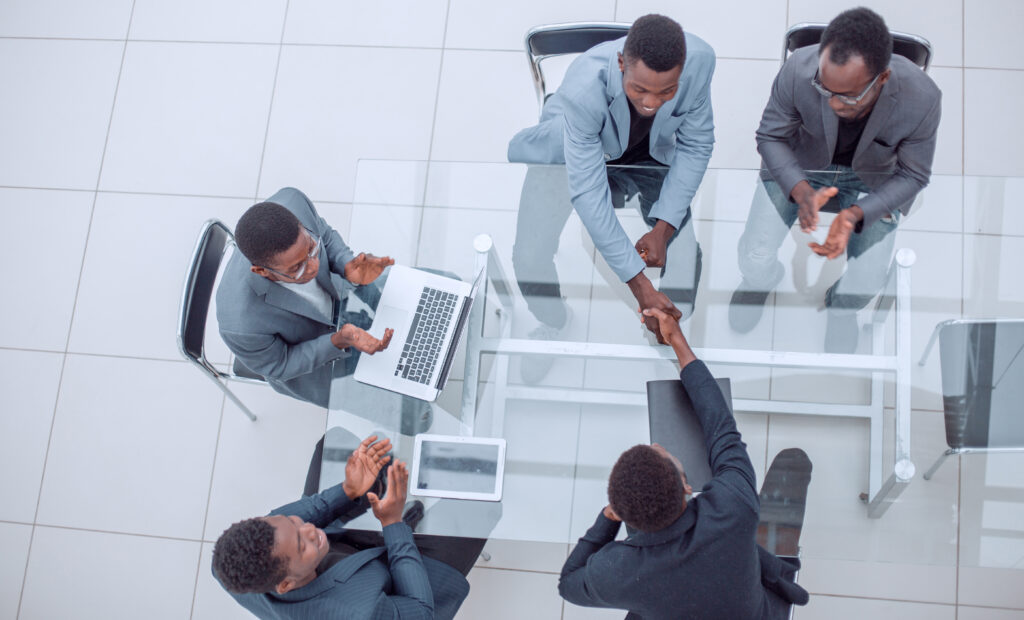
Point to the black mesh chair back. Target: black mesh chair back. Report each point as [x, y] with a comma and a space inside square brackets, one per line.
[560, 39]
[195, 307]
[912, 47]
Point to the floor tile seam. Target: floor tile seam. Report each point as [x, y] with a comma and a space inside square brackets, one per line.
[519, 570]
[270, 106]
[209, 497]
[882, 598]
[996, 607]
[94, 530]
[433, 125]
[121, 356]
[71, 322]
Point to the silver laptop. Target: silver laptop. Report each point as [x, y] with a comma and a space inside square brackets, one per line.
[429, 314]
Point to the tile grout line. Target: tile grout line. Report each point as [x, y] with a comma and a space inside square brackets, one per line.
[209, 496]
[270, 108]
[433, 132]
[71, 324]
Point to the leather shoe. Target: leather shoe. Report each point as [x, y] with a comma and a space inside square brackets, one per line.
[746, 307]
[413, 514]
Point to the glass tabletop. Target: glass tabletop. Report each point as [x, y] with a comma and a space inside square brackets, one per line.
[555, 359]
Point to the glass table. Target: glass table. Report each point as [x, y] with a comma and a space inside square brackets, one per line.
[570, 400]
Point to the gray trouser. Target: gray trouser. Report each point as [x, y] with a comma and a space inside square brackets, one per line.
[544, 208]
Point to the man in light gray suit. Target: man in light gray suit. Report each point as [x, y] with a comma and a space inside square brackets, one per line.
[282, 294]
[867, 121]
[640, 101]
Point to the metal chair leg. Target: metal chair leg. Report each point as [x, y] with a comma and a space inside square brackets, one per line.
[234, 399]
[939, 461]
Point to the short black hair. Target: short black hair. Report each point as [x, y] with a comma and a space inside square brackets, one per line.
[244, 560]
[858, 32]
[265, 230]
[645, 489]
[658, 41]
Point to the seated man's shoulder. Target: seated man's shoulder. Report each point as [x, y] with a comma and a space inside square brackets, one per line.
[698, 48]
[915, 83]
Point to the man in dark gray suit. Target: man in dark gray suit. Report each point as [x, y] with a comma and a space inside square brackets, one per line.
[683, 558]
[282, 294]
[299, 562]
[867, 121]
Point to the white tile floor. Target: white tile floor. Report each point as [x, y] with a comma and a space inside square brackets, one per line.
[126, 123]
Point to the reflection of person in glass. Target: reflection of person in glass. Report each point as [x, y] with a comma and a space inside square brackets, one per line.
[640, 101]
[866, 120]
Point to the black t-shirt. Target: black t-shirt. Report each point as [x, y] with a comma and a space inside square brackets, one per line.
[639, 148]
[846, 141]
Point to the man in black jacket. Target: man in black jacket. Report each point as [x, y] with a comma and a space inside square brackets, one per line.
[683, 559]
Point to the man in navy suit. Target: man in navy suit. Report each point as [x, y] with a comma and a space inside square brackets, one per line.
[685, 559]
[295, 563]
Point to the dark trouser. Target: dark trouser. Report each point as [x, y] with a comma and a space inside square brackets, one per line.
[544, 208]
[458, 552]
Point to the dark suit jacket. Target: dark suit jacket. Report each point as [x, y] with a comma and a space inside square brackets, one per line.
[707, 563]
[387, 582]
[275, 332]
[894, 156]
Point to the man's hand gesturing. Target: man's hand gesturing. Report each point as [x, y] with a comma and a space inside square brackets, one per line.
[351, 336]
[810, 202]
[389, 509]
[366, 268]
[363, 466]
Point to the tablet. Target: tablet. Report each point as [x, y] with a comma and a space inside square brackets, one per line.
[458, 467]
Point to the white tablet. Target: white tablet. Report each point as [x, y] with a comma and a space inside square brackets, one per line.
[458, 467]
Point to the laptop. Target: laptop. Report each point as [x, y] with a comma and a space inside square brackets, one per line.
[429, 314]
[674, 425]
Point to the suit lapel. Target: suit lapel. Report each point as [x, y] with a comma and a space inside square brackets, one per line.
[619, 106]
[339, 573]
[830, 125]
[280, 297]
[880, 114]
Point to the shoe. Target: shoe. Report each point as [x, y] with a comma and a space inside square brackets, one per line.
[746, 307]
[413, 514]
[783, 499]
[534, 368]
[841, 332]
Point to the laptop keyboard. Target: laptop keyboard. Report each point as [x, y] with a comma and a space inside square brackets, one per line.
[426, 335]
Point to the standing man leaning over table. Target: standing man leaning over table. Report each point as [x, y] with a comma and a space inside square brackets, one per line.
[867, 121]
[644, 101]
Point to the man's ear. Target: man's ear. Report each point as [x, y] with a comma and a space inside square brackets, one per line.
[260, 271]
[284, 586]
[882, 79]
[622, 63]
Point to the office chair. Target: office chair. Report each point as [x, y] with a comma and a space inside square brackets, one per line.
[982, 385]
[916, 49]
[560, 39]
[214, 238]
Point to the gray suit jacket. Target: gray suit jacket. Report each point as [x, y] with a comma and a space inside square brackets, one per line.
[389, 582]
[586, 123]
[277, 333]
[894, 156]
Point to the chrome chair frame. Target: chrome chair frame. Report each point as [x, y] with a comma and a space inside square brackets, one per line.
[900, 42]
[192, 318]
[924, 357]
[613, 30]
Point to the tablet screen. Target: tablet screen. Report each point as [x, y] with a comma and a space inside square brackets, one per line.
[460, 467]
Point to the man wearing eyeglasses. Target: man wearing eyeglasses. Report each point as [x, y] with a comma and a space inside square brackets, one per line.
[865, 121]
[282, 294]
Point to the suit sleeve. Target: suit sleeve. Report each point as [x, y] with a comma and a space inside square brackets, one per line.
[730, 464]
[588, 189]
[779, 122]
[577, 584]
[695, 139]
[320, 509]
[914, 156]
[413, 598]
[272, 357]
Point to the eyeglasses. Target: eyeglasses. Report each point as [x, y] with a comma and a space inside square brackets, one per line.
[301, 270]
[846, 99]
